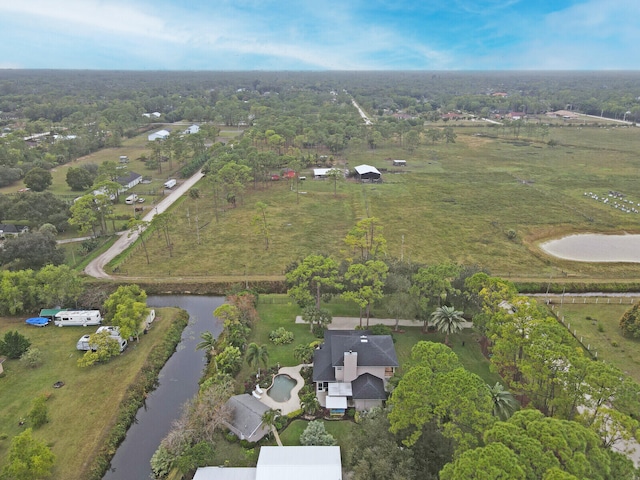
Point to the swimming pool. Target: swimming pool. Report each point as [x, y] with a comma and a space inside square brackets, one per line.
[280, 390]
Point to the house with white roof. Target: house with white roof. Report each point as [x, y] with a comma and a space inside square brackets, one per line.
[324, 172]
[283, 463]
[367, 173]
[192, 129]
[159, 135]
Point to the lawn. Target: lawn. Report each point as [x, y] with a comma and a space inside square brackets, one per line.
[597, 325]
[81, 413]
[338, 428]
[453, 202]
[278, 311]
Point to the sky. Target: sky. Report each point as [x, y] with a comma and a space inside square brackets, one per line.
[320, 34]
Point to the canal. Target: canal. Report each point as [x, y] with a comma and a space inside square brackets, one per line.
[178, 382]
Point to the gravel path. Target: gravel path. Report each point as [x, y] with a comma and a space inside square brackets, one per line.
[96, 267]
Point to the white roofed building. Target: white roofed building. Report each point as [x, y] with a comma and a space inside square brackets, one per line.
[367, 173]
[159, 135]
[283, 463]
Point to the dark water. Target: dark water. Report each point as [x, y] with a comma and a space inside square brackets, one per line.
[178, 383]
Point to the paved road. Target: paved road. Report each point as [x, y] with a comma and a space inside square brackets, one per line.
[96, 267]
[349, 323]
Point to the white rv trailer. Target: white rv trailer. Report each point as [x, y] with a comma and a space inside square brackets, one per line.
[170, 183]
[131, 199]
[77, 318]
[114, 332]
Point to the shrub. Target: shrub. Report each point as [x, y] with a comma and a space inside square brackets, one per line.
[630, 322]
[38, 415]
[318, 331]
[600, 327]
[281, 336]
[32, 358]
[295, 414]
[14, 345]
[380, 329]
[316, 434]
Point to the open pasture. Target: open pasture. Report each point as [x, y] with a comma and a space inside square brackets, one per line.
[482, 200]
[82, 412]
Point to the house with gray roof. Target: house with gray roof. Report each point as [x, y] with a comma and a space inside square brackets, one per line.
[351, 369]
[130, 180]
[246, 417]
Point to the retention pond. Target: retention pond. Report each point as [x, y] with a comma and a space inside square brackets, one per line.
[594, 247]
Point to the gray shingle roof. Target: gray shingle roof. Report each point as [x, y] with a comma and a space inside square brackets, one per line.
[247, 417]
[373, 350]
[368, 387]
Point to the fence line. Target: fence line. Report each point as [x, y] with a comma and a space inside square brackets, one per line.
[574, 334]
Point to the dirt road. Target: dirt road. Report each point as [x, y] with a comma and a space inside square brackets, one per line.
[96, 267]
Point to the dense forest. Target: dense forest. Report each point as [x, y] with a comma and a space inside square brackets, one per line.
[67, 114]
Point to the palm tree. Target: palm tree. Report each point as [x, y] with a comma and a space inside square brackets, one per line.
[447, 320]
[504, 404]
[269, 419]
[208, 342]
[257, 354]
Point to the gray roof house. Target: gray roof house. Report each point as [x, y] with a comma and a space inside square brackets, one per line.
[130, 180]
[246, 417]
[351, 369]
[283, 463]
[8, 229]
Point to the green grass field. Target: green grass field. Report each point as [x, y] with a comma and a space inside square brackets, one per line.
[601, 331]
[452, 202]
[81, 412]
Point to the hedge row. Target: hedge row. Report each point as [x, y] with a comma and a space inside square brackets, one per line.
[577, 287]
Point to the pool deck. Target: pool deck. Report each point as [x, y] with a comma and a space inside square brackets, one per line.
[293, 403]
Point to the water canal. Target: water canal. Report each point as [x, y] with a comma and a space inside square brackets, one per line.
[178, 382]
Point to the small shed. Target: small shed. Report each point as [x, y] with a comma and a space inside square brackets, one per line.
[159, 135]
[192, 129]
[399, 163]
[367, 173]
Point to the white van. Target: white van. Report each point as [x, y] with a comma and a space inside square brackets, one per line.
[170, 183]
[77, 318]
[131, 199]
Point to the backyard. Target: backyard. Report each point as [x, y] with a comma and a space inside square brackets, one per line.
[81, 412]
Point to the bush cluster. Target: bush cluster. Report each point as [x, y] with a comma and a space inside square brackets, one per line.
[281, 336]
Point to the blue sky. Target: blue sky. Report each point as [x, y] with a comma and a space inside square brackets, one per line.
[320, 34]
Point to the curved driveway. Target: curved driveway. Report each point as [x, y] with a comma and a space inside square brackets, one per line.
[96, 267]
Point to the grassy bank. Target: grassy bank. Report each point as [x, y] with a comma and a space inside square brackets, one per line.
[84, 411]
